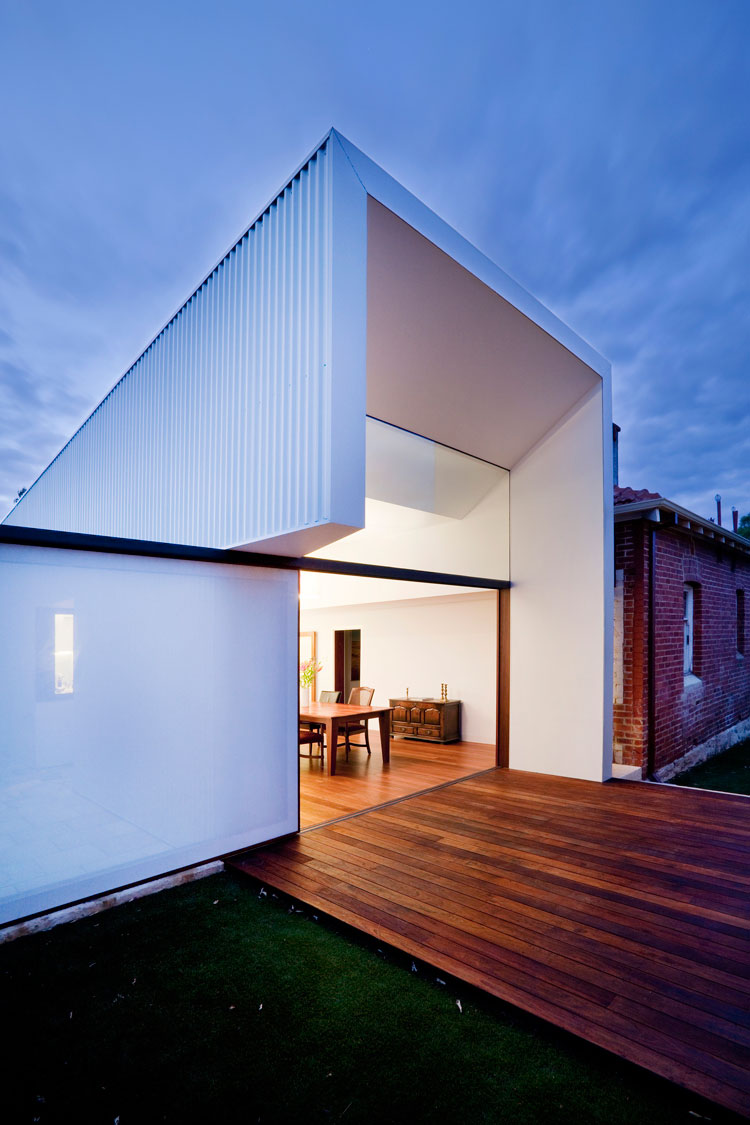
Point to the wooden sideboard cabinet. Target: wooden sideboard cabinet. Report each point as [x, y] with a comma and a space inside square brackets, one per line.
[437, 720]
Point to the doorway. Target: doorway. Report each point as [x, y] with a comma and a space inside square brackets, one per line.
[347, 654]
[428, 648]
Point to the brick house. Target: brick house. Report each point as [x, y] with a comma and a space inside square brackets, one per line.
[682, 654]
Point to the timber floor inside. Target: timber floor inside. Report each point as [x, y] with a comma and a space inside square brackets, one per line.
[364, 782]
[618, 912]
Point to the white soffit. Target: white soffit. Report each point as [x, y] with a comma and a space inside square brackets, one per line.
[449, 358]
[382, 187]
[456, 350]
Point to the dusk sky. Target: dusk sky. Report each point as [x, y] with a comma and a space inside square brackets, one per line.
[599, 152]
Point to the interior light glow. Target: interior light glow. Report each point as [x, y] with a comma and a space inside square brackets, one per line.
[64, 654]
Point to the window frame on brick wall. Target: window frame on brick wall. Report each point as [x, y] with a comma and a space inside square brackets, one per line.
[688, 630]
[740, 621]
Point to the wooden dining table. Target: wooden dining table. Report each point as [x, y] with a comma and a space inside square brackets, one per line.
[332, 716]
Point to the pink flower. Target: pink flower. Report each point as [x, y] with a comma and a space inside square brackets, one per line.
[308, 670]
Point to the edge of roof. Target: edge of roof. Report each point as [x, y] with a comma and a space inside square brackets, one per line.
[386, 190]
[681, 518]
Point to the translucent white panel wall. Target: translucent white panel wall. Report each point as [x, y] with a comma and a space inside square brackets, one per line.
[148, 715]
[243, 421]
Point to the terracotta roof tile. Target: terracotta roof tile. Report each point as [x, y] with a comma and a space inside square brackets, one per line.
[631, 495]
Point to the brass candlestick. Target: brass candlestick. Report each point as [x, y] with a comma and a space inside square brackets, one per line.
[444, 692]
[407, 693]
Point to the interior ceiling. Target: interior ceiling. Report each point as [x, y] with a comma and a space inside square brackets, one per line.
[450, 359]
[323, 591]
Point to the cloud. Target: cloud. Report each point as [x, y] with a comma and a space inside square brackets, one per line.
[43, 396]
[600, 153]
[672, 318]
[37, 421]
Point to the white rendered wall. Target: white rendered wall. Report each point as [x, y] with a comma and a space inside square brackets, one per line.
[561, 598]
[178, 740]
[419, 645]
[243, 421]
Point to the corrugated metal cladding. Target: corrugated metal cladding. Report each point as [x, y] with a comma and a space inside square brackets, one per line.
[216, 436]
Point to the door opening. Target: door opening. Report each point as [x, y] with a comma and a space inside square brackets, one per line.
[431, 657]
[347, 650]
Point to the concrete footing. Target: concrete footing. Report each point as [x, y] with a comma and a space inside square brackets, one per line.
[104, 902]
[708, 749]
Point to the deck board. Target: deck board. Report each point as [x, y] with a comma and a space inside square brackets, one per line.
[364, 782]
[618, 912]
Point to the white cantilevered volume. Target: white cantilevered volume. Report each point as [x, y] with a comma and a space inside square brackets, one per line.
[219, 435]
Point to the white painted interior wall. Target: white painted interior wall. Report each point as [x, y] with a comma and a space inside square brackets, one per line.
[178, 742]
[561, 598]
[419, 644]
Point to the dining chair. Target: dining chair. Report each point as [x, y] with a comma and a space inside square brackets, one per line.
[362, 697]
[324, 697]
[310, 738]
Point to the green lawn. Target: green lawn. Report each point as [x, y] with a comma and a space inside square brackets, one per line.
[210, 1003]
[729, 772]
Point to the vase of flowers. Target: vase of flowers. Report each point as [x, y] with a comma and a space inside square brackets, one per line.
[308, 670]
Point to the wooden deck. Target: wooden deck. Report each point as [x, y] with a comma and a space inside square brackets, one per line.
[618, 912]
[365, 782]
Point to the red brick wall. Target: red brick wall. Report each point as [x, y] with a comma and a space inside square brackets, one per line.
[686, 714]
[630, 716]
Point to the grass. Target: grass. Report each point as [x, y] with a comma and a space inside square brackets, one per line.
[212, 1003]
[729, 772]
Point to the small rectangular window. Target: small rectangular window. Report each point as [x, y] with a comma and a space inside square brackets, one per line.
[63, 654]
[687, 624]
[741, 622]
